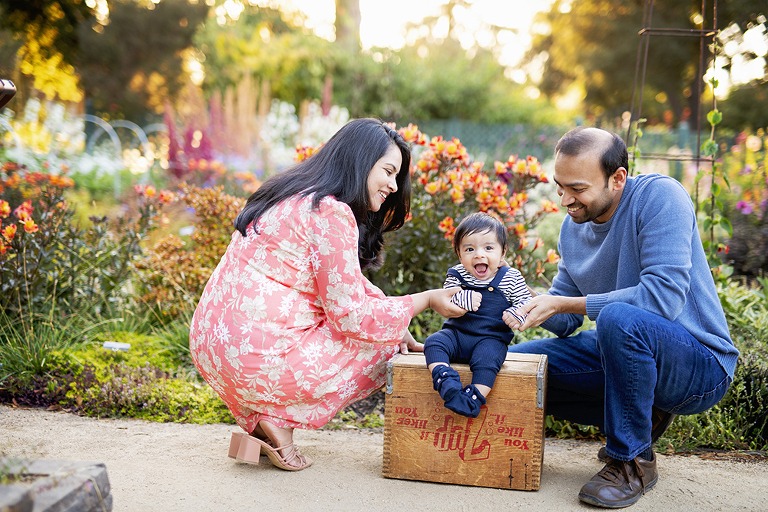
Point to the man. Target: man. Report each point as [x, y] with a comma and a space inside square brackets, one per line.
[632, 260]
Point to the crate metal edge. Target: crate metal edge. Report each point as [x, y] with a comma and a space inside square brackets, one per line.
[390, 371]
[539, 381]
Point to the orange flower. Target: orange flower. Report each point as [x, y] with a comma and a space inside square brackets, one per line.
[501, 203]
[150, 191]
[5, 209]
[30, 226]
[9, 232]
[192, 164]
[61, 181]
[412, 134]
[433, 187]
[446, 226]
[437, 144]
[3, 248]
[202, 164]
[304, 152]
[166, 196]
[13, 181]
[24, 211]
[457, 195]
[552, 256]
[523, 244]
[520, 230]
[548, 206]
[539, 243]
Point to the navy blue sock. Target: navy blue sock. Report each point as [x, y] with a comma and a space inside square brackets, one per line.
[467, 403]
[446, 381]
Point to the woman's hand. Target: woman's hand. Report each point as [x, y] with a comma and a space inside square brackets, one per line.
[440, 301]
[410, 344]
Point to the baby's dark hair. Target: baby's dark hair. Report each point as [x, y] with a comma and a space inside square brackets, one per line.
[480, 223]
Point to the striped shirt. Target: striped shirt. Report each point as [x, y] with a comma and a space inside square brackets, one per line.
[512, 286]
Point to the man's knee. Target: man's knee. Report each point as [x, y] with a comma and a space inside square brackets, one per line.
[616, 314]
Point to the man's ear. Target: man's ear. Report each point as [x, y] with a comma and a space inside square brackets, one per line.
[618, 180]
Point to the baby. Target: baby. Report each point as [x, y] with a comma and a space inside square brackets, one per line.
[480, 337]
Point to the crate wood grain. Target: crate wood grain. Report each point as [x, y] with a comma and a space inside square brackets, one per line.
[503, 447]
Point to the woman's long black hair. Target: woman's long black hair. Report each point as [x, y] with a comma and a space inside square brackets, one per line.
[340, 169]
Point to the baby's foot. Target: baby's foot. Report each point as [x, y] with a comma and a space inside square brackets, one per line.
[467, 403]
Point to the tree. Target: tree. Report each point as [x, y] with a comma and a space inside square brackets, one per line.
[47, 30]
[261, 43]
[347, 24]
[135, 63]
[591, 45]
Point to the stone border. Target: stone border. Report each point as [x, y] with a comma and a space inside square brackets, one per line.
[57, 486]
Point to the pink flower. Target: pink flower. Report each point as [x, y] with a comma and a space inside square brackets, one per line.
[744, 207]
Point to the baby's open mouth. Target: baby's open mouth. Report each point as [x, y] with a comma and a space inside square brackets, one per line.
[481, 269]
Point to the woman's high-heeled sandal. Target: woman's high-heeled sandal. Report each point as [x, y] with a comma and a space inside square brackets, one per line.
[234, 444]
[251, 448]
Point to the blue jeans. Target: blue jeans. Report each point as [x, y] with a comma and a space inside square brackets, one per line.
[610, 377]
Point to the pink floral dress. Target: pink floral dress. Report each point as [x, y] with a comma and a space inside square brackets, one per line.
[288, 328]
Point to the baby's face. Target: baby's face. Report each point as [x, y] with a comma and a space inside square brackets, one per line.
[481, 254]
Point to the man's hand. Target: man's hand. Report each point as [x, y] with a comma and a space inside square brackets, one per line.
[410, 344]
[541, 307]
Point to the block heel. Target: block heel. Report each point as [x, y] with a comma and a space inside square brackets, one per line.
[249, 450]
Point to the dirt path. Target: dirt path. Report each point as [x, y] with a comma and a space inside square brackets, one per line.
[173, 467]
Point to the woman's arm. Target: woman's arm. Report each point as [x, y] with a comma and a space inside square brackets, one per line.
[439, 300]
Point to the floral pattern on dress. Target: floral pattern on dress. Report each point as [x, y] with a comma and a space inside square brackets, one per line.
[288, 328]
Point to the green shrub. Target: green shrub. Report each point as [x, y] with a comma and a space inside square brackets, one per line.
[173, 273]
[143, 382]
[47, 261]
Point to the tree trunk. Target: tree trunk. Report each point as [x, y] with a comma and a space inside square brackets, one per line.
[348, 24]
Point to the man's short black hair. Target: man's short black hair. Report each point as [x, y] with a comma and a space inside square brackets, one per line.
[583, 139]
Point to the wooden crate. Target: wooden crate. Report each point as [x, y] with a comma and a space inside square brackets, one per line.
[503, 447]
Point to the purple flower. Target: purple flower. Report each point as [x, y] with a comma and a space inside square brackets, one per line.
[744, 207]
[746, 170]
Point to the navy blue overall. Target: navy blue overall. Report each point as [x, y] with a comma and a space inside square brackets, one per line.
[479, 338]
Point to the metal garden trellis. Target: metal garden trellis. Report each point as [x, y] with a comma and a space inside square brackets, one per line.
[640, 67]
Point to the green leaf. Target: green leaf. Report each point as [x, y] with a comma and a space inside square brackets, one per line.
[706, 224]
[714, 117]
[715, 189]
[726, 225]
[699, 175]
[709, 148]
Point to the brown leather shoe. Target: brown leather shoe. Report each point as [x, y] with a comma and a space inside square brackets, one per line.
[661, 422]
[620, 483]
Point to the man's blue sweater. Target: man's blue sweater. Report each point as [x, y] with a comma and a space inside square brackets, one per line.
[649, 254]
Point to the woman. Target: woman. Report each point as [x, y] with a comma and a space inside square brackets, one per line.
[288, 330]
